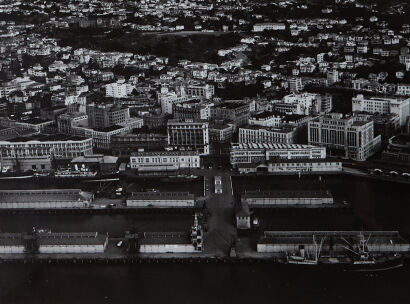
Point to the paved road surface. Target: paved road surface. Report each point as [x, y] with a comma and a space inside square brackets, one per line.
[221, 224]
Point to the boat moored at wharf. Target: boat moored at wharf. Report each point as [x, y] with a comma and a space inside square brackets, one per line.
[350, 250]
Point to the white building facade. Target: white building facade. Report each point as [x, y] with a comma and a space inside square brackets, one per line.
[164, 160]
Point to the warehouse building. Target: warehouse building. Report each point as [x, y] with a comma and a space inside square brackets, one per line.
[47, 242]
[161, 200]
[11, 243]
[45, 199]
[291, 241]
[257, 199]
[73, 242]
[293, 166]
[173, 242]
[169, 242]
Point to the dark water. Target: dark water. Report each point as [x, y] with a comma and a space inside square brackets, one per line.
[194, 283]
[376, 205]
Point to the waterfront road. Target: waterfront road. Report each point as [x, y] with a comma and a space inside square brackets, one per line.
[221, 223]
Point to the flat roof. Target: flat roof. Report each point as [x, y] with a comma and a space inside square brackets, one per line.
[108, 129]
[104, 159]
[231, 105]
[262, 146]
[287, 194]
[46, 137]
[402, 139]
[161, 195]
[51, 239]
[165, 153]
[169, 238]
[34, 121]
[25, 196]
[282, 129]
[266, 114]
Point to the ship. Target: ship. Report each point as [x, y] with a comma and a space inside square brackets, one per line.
[345, 250]
[68, 173]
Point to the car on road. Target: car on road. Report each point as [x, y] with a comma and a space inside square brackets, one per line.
[218, 185]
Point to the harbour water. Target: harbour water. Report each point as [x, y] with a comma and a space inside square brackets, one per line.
[197, 283]
[375, 205]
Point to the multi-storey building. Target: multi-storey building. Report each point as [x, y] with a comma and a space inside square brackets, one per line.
[118, 89]
[257, 153]
[164, 160]
[295, 84]
[332, 77]
[260, 27]
[267, 119]
[236, 111]
[101, 137]
[168, 99]
[125, 144]
[192, 109]
[36, 152]
[189, 135]
[106, 115]
[399, 106]
[352, 135]
[267, 135]
[66, 121]
[220, 132]
[309, 103]
[403, 89]
[196, 89]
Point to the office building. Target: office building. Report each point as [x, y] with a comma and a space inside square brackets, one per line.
[106, 115]
[352, 135]
[189, 135]
[236, 111]
[164, 161]
[267, 119]
[267, 135]
[125, 144]
[196, 89]
[399, 106]
[258, 153]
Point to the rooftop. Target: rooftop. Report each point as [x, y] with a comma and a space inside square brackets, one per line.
[47, 138]
[104, 159]
[283, 129]
[161, 195]
[158, 238]
[35, 121]
[54, 195]
[263, 146]
[287, 194]
[231, 105]
[165, 153]
[267, 114]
